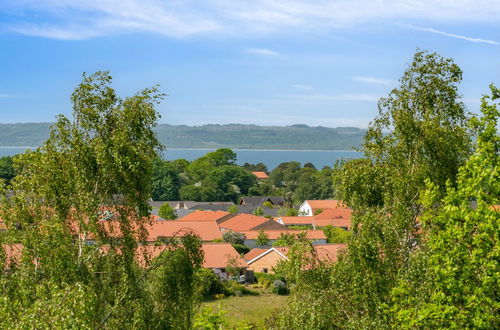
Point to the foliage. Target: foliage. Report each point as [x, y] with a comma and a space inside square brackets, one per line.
[279, 287]
[453, 279]
[166, 181]
[234, 237]
[93, 173]
[259, 167]
[208, 319]
[420, 134]
[6, 168]
[285, 239]
[262, 238]
[208, 283]
[233, 209]
[258, 211]
[235, 136]
[242, 249]
[336, 234]
[268, 204]
[167, 212]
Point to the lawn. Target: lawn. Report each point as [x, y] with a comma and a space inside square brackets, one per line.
[248, 307]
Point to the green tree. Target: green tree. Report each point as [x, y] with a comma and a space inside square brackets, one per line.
[166, 181]
[420, 134]
[234, 237]
[262, 238]
[258, 211]
[167, 212]
[221, 157]
[233, 209]
[6, 168]
[98, 163]
[336, 234]
[453, 279]
[285, 239]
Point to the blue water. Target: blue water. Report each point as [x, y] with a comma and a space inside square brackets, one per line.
[271, 158]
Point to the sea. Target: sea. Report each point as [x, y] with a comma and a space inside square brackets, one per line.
[271, 158]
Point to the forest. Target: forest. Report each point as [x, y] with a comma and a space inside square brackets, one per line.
[234, 136]
[424, 250]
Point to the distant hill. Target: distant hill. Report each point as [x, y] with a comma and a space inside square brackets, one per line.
[235, 136]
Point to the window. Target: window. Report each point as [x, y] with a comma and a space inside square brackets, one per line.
[264, 270]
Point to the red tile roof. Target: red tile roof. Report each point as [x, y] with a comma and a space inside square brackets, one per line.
[274, 234]
[217, 255]
[243, 221]
[260, 175]
[290, 221]
[200, 215]
[325, 204]
[207, 230]
[253, 253]
[13, 253]
[329, 252]
[324, 252]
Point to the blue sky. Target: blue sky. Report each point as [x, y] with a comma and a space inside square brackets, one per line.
[236, 61]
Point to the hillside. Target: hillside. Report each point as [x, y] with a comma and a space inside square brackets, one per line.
[301, 137]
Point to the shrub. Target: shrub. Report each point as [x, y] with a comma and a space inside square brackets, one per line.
[209, 283]
[268, 204]
[233, 209]
[265, 280]
[234, 237]
[279, 287]
[167, 212]
[242, 249]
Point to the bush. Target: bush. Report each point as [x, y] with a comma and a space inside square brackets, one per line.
[236, 289]
[242, 249]
[265, 280]
[279, 287]
[209, 283]
[167, 212]
[234, 237]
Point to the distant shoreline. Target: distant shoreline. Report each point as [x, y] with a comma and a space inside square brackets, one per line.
[208, 149]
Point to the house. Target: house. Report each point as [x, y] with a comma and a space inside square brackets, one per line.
[241, 222]
[261, 175]
[265, 260]
[295, 221]
[259, 200]
[199, 215]
[157, 230]
[206, 230]
[315, 236]
[309, 207]
[337, 217]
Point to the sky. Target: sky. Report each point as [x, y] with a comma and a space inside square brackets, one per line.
[314, 62]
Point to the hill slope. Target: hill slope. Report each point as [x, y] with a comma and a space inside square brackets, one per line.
[301, 137]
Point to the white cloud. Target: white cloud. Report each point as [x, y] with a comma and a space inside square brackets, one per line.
[457, 36]
[375, 81]
[338, 97]
[263, 51]
[70, 19]
[302, 87]
[3, 96]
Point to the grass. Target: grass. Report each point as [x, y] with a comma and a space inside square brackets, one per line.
[247, 308]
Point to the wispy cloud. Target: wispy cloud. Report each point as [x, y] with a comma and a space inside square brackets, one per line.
[457, 36]
[375, 81]
[70, 19]
[3, 96]
[302, 87]
[263, 51]
[338, 97]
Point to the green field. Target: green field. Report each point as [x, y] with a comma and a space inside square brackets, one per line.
[247, 308]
